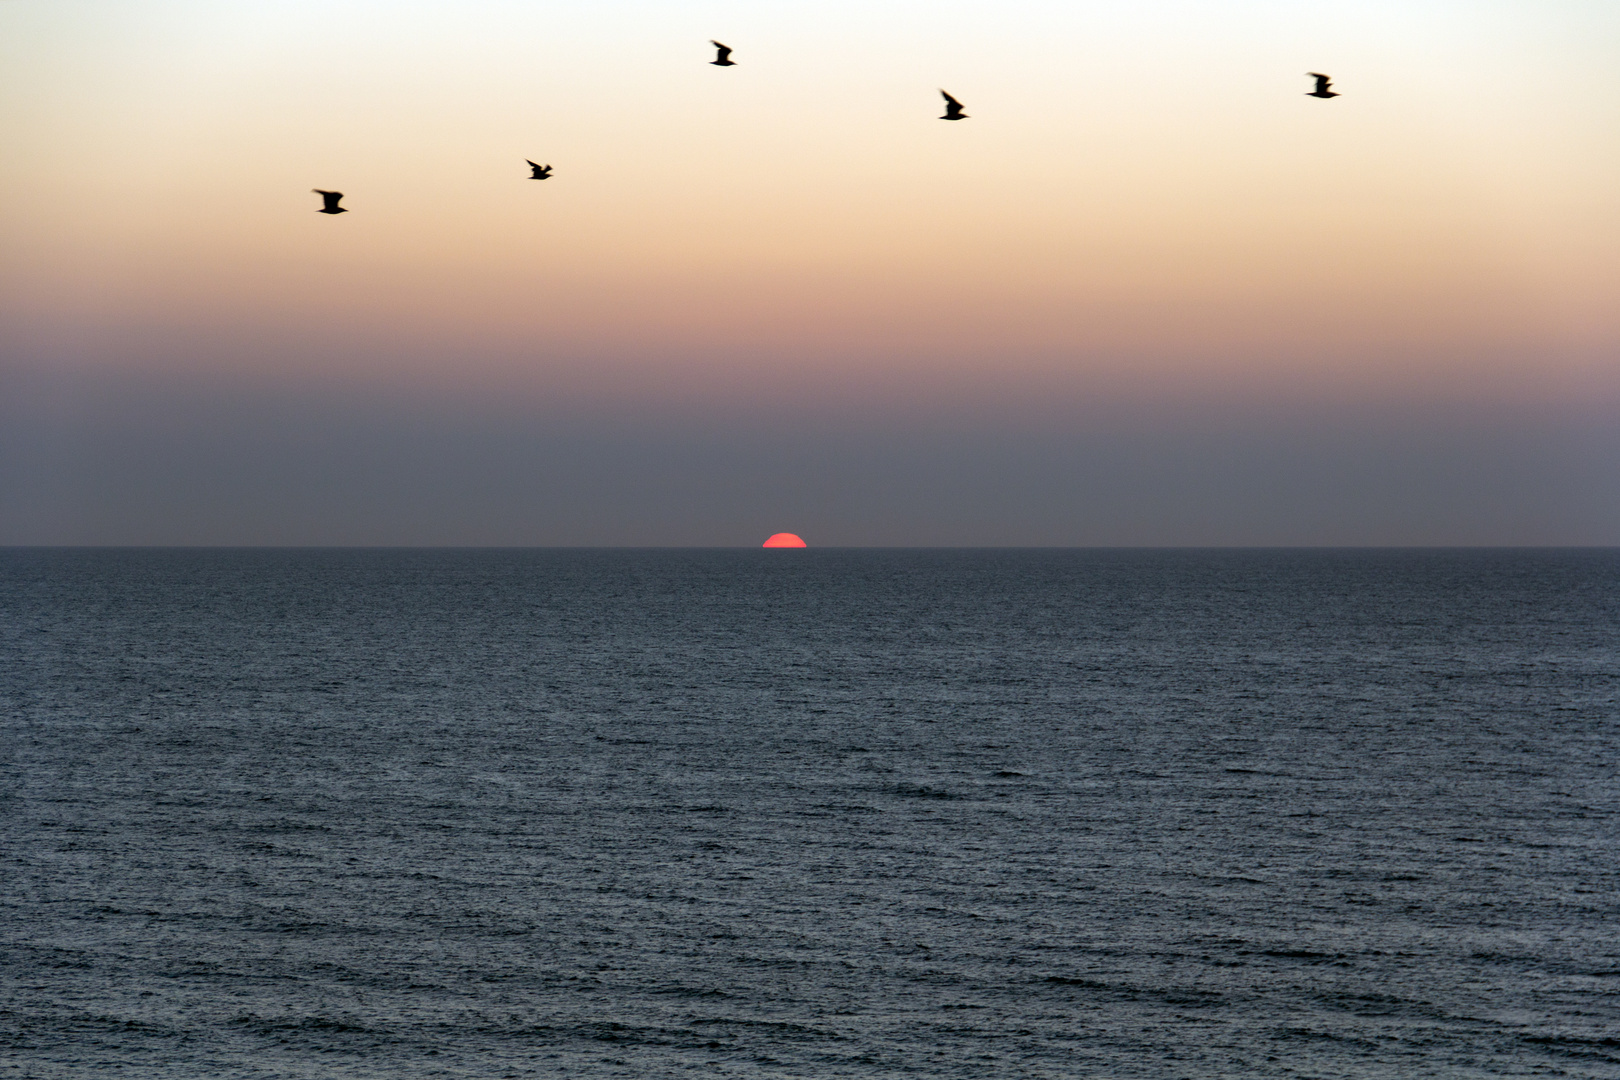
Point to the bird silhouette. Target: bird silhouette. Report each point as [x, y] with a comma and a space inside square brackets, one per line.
[723, 57]
[953, 108]
[541, 172]
[1322, 84]
[330, 198]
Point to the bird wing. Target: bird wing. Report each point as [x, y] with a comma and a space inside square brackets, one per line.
[532, 165]
[950, 99]
[725, 50]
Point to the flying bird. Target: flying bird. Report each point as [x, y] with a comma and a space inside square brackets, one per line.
[953, 108]
[722, 58]
[541, 172]
[330, 198]
[1322, 84]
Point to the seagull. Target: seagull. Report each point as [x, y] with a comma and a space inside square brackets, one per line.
[723, 57]
[1322, 84]
[541, 172]
[331, 199]
[953, 108]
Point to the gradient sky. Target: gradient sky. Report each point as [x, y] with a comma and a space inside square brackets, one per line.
[1150, 293]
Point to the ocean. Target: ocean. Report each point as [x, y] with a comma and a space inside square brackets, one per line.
[819, 813]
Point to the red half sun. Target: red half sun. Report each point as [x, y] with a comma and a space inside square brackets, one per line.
[785, 540]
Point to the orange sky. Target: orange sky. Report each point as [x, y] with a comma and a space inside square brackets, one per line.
[1144, 205]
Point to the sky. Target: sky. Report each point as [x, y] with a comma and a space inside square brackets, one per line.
[1150, 293]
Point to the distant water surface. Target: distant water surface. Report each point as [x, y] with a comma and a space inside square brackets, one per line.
[341, 813]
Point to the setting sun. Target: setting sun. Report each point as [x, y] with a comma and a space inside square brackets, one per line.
[784, 540]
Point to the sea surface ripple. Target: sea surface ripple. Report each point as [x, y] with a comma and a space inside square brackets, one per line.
[824, 813]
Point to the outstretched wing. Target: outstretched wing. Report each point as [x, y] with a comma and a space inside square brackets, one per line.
[725, 51]
[532, 165]
[950, 100]
[1322, 81]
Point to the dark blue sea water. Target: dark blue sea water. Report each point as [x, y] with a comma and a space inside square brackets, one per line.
[403, 814]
